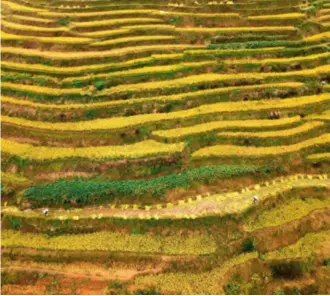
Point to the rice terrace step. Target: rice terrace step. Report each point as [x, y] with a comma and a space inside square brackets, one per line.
[165, 147]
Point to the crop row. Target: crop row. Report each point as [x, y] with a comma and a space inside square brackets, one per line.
[138, 150]
[185, 283]
[161, 87]
[144, 38]
[276, 29]
[154, 70]
[31, 29]
[274, 134]
[55, 55]
[119, 13]
[89, 68]
[306, 247]
[211, 78]
[58, 40]
[126, 122]
[319, 156]
[170, 59]
[18, 7]
[297, 59]
[222, 124]
[191, 53]
[141, 71]
[243, 151]
[43, 21]
[203, 94]
[323, 116]
[283, 16]
[292, 210]
[111, 241]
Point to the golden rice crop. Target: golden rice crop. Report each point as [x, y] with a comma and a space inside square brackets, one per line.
[243, 151]
[214, 125]
[187, 283]
[112, 241]
[149, 27]
[105, 33]
[323, 116]
[325, 36]
[54, 55]
[19, 7]
[88, 68]
[183, 82]
[239, 29]
[41, 89]
[117, 13]
[132, 39]
[278, 60]
[32, 19]
[118, 21]
[275, 134]
[283, 16]
[13, 179]
[193, 14]
[33, 28]
[304, 248]
[293, 210]
[176, 97]
[318, 156]
[123, 122]
[145, 70]
[137, 150]
[60, 40]
[209, 78]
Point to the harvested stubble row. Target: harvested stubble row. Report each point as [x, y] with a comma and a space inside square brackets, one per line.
[138, 150]
[126, 122]
[111, 241]
[169, 98]
[242, 151]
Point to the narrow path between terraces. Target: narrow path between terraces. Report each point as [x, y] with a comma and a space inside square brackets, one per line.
[219, 204]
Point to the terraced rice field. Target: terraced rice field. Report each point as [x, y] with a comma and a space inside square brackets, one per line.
[146, 128]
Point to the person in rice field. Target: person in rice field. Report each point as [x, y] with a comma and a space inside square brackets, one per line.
[255, 199]
[45, 211]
